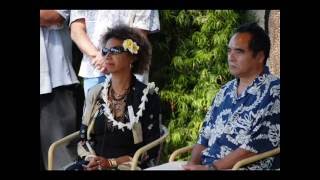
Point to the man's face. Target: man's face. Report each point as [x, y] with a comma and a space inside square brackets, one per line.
[241, 61]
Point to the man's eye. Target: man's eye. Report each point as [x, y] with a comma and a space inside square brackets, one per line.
[239, 51]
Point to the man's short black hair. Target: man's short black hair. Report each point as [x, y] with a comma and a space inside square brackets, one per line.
[260, 40]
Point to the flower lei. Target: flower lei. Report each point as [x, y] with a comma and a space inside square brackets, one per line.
[107, 112]
[128, 44]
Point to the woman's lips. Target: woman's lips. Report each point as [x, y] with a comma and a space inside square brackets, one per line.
[110, 64]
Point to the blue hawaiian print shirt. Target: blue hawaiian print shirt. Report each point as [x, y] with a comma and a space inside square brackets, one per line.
[250, 121]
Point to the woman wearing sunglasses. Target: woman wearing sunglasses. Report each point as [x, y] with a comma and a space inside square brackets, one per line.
[122, 114]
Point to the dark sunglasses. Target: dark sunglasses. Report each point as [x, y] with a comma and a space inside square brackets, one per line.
[113, 50]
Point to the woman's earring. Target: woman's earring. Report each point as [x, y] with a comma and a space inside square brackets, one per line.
[130, 66]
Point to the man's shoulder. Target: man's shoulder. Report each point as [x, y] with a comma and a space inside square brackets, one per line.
[228, 84]
[272, 81]
[273, 78]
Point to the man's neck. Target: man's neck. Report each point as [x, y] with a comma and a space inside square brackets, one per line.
[244, 82]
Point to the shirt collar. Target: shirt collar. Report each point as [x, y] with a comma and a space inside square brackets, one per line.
[254, 84]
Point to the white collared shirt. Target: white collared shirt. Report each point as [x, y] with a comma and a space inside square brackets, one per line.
[56, 57]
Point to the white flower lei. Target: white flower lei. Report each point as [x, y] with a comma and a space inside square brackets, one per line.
[107, 112]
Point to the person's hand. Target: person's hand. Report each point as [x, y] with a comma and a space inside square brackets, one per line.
[192, 167]
[97, 163]
[99, 63]
[191, 163]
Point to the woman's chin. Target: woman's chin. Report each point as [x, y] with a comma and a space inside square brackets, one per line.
[106, 71]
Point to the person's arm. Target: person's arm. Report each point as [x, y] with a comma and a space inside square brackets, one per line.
[231, 159]
[80, 37]
[202, 141]
[225, 163]
[50, 17]
[196, 154]
[82, 40]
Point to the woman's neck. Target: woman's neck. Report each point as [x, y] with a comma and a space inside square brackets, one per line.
[121, 82]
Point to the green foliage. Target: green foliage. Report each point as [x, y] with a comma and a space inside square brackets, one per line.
[190, 65]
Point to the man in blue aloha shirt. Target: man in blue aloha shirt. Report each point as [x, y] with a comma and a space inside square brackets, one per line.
[244, 118]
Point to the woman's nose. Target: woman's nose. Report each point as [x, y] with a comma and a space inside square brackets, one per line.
[108, 55]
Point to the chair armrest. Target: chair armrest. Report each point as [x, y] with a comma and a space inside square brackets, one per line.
[57, 143]
[255, 158]
[146, 147]
[180, 151]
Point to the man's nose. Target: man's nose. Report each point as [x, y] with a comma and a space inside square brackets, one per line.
[230, 56]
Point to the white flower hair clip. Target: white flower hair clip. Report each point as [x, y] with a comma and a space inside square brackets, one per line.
[128, 44]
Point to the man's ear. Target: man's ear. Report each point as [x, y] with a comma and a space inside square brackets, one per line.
[261, 56]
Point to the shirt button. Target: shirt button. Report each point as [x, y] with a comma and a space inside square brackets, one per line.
[150, 126]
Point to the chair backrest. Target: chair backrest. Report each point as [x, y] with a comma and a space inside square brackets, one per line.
[164, 133]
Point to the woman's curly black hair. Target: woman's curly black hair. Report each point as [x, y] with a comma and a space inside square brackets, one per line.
[143, 58]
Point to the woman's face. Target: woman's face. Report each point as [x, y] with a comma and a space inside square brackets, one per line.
[117, 62]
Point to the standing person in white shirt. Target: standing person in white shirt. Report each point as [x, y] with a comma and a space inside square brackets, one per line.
[87, 27]
[57, 83]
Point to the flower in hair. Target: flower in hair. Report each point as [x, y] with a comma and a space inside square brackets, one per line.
[128, 44]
